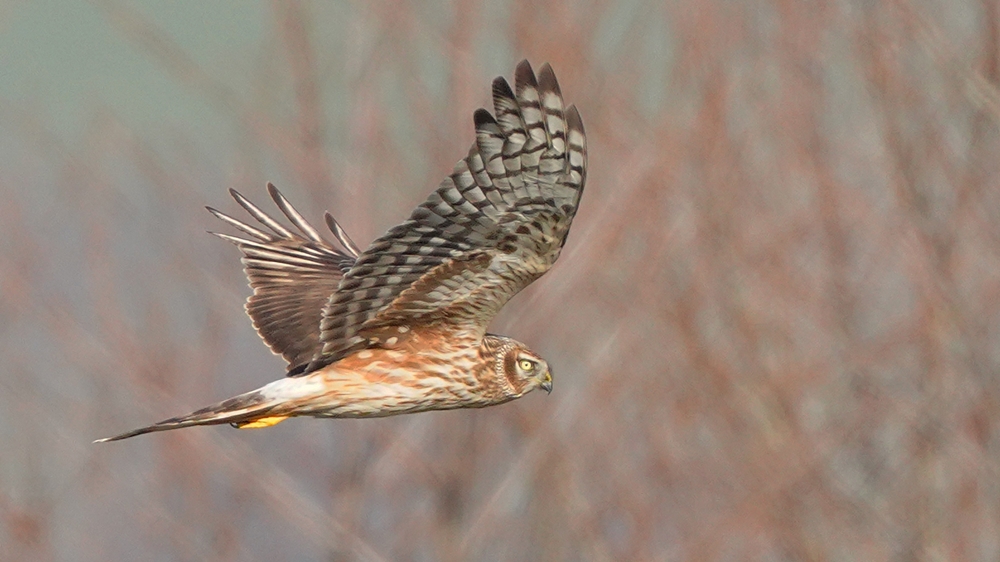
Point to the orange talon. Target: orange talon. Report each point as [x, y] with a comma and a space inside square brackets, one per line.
[262, 422]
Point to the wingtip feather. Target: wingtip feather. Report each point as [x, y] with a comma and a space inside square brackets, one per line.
[341, 234]
[524, 76]
[228, 238]
[502, 88]
[293, 215]
[482, 118]
[239, 225]
[573, 119]
[547, 81]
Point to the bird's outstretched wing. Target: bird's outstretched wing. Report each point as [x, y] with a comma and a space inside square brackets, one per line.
[491, 228]
[292, 275]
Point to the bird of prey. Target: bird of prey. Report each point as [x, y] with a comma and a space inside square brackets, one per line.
[401, 326]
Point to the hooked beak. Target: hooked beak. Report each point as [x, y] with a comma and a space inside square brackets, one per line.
[547, 383]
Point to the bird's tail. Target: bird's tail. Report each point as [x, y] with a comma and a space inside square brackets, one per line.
[250, 410]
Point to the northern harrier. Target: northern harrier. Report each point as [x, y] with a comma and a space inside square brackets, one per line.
[401, 326]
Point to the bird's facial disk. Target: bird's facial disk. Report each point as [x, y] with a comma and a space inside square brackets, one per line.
[532, 370]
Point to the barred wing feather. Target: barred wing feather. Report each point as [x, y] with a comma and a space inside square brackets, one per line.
[497, 223]
[292, 275]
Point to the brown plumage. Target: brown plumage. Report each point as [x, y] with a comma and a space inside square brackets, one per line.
[401, 326]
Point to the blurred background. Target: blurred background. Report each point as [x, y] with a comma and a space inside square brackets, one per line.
[775, 327]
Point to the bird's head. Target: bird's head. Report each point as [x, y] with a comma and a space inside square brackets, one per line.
[523, 369]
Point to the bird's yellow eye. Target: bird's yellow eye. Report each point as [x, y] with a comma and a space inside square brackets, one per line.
[526, 365]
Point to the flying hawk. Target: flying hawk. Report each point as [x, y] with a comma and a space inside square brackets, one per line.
[401, 326]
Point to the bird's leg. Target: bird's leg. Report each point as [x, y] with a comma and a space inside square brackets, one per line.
[259, 423]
